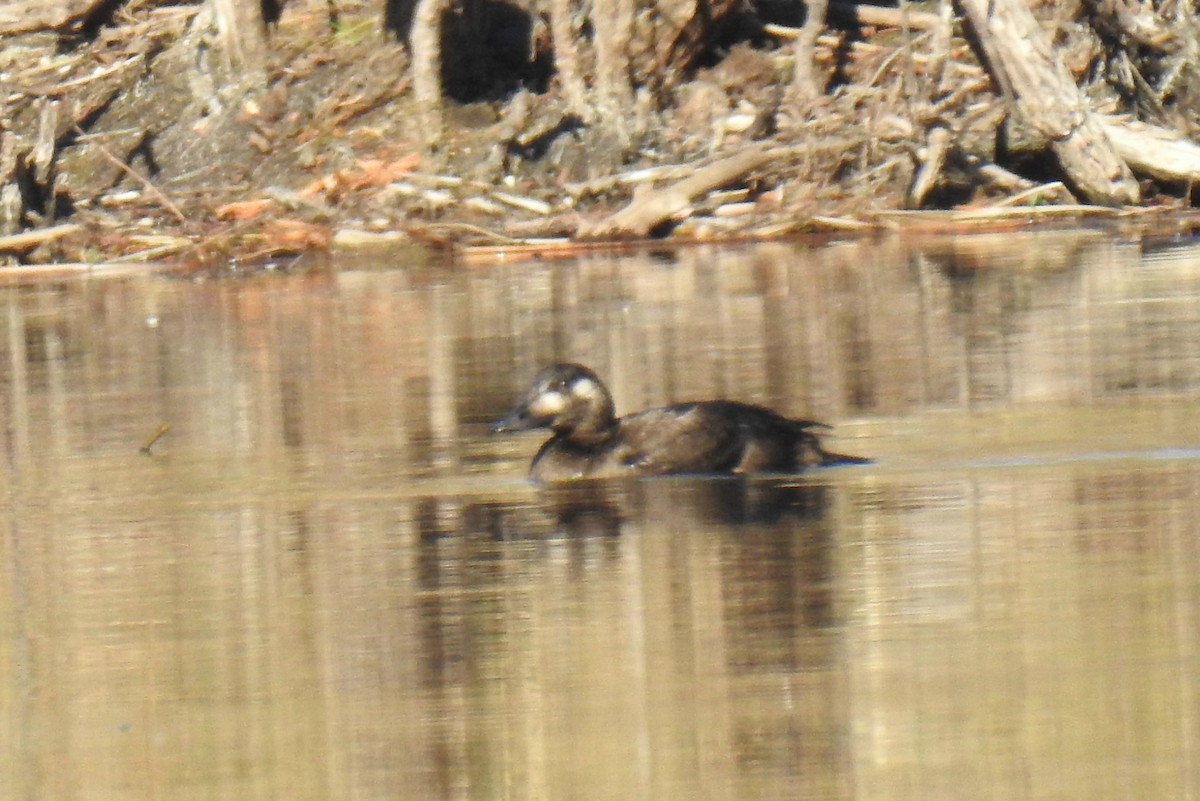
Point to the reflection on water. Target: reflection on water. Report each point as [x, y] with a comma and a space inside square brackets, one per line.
[328, 582]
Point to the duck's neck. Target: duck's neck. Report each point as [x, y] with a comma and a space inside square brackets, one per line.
[594, 424]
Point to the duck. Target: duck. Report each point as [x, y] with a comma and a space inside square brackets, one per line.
[713, 437]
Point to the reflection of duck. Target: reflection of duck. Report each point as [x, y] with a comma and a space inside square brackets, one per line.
[705, 437]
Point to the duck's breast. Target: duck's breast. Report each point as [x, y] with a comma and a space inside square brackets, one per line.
[561, 460]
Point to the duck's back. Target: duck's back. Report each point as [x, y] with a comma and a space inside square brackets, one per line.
[713, 437]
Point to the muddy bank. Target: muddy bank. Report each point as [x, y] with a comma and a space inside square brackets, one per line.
[139, 131]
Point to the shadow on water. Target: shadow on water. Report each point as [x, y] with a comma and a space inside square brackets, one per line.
[583, 509]
[586, 587]
[779, 527]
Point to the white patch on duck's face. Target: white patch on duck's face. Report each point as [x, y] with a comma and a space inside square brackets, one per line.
[548, 404]
[585, 388]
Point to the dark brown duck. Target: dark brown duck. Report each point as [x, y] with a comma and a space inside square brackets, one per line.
[705, 437]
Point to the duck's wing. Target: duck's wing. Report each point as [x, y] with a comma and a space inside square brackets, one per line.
[685, 438]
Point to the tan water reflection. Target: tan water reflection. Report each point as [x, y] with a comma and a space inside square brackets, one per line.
[329, 583]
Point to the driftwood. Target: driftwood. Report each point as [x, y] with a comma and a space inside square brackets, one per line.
[652, 207]
[1039, 85]
[24, 16]
[1155, 151]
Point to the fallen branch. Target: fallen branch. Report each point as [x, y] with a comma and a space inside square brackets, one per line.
[1031, 213]
[24, 273]
[541, 250]
[1036, 194]
[27, 240]
[834, 43]
[884, 17]
[994, 174]
[66, 87]
[530, 204]
[652, 207]
[607, 183]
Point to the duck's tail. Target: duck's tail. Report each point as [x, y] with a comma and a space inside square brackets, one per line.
[829, 459]
[809, 453]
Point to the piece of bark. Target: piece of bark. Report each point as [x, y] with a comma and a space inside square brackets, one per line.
[1040, 86]
[652, 207]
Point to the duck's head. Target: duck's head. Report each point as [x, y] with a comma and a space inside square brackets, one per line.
[566, 398]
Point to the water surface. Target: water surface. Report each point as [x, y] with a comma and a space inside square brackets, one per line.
[327, 581]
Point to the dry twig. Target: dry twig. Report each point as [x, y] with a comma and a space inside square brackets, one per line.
[137, 176]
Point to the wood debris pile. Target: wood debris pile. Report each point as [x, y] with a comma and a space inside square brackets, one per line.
[129, 131]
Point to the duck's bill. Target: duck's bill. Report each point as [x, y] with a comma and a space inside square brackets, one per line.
[516, 420]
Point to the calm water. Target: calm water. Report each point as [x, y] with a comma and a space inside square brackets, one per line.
[328, 582]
